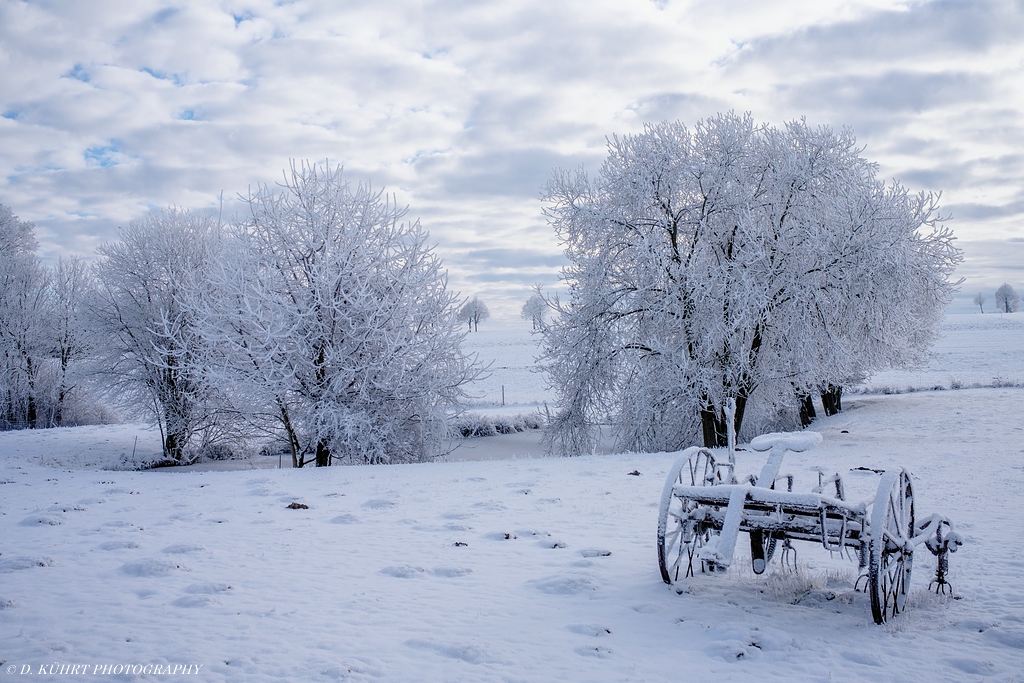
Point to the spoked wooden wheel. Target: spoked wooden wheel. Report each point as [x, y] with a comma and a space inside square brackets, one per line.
[891, 549]
[680, 535]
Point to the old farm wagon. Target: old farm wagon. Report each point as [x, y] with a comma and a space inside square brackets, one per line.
[704, 507]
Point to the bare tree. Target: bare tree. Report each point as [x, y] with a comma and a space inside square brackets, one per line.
[534, 310]
[333, 319]
[472, 312]
[979, 301]
[1007, 299]
[732, 261]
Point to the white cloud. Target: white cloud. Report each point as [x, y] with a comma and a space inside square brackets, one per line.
[463, 108]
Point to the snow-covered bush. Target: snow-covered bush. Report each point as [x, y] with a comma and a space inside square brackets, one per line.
[475, 424]
[733, 260]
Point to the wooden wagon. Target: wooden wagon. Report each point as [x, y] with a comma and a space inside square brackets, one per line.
[704, 508]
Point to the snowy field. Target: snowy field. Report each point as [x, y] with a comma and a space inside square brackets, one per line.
[510, 354]
[508, 570]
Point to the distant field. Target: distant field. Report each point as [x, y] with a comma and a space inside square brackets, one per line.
[511, 355]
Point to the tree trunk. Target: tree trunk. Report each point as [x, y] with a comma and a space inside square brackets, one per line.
[714, 425]
[174, 446]
[807, 412]
[323, 454]
[832, 399]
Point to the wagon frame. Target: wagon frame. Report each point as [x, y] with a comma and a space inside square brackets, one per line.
[704, 508]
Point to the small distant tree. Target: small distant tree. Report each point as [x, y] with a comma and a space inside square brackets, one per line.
[473, 312]
[1007, 299]
[533, 310]
[979, 301]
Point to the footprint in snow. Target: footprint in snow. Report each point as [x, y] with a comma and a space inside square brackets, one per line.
[563, 585]
[595, 552]
[403, 572]
[183, 548]
[467, 653]
[973, 666]
[207, 588]
[594, 651]
[865, 658]
[43, 519]
[66, 508]
[121, 524]
[13, 564]
[379, 504]
[153, 566]
[345, 519]
[452, 572]
[595, 630]
[196, 601]
[118, 545]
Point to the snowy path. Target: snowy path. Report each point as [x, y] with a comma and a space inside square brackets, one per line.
[370, 584]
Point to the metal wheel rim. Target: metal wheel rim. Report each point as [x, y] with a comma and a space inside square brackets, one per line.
[891, 552]
[679, 536]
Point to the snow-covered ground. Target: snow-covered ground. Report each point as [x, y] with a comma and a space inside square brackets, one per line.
[505, 570]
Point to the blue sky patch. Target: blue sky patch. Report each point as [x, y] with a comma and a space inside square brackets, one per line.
[104, 156]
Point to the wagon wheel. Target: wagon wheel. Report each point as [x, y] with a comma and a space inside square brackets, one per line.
[890, 548]
[680, 536]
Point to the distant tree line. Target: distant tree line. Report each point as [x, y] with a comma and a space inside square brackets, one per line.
[1007, 300]
[322, 320]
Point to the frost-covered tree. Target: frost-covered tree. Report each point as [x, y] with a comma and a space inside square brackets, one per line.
[24, 332]
[472, 312]
[1007, 299]
[152, 350]
[72, 343]
[333, 320]
[732, 261]
[979, 301]
[42, 335]
[534, 310]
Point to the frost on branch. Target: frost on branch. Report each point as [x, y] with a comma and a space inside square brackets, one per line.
[732, 261]
[334, 325]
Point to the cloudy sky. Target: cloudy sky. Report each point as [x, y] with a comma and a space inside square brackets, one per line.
[111, 108]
